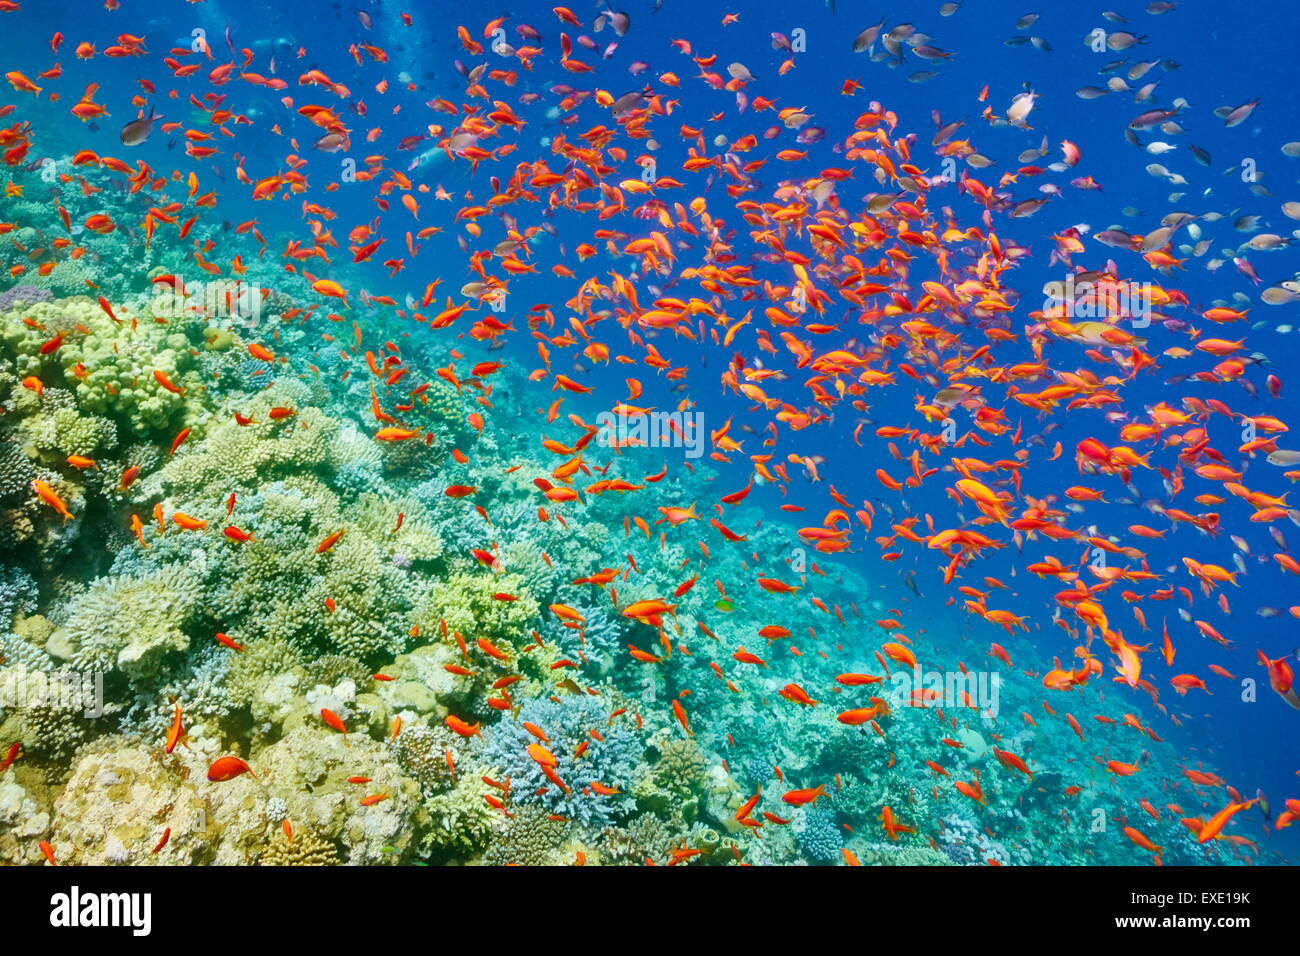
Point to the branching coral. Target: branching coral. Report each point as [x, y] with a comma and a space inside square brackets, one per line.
[531, 837]
[567, 724]
[460, 821]
[18, 594]
[680, 768]
[429, 756]
[16, 470]
[817, 835]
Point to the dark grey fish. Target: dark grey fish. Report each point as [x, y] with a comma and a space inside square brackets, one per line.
[626, 102]
[867, 38]
[946, 132]
[1115, 238]
[1156, 239]
[1139, 70]
[1027, 208]
[331, 142]
[137, 131]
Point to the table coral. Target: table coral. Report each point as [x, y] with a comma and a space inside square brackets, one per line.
[127, 623]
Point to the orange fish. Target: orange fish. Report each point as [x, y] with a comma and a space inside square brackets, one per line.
[799, 798]
[228, 768]
[47, 495]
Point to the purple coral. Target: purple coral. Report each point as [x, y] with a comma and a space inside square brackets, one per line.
[29, 294]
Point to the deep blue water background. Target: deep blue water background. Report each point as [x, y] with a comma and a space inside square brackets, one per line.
[1227, 54]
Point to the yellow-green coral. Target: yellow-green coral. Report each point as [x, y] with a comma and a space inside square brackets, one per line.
[461, 820]
[109, 365]
[468, 604]
[52, 426]
[234, 455]
[401, 526]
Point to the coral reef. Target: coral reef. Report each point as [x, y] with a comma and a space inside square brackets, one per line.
[242, 556]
